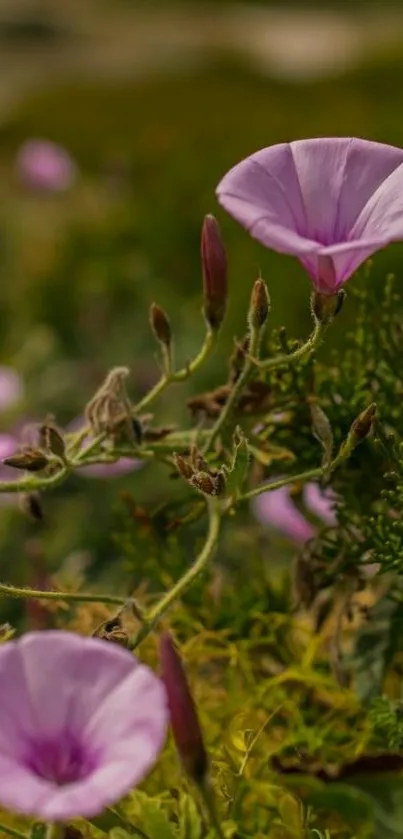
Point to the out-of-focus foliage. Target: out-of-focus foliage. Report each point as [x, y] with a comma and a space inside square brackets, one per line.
[300, 706]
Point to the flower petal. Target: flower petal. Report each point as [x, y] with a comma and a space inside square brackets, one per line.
[276, 508]
[315, 199]
[321, 502]
[337, 176]
[62, 668]
[382, 216]
[142, 704]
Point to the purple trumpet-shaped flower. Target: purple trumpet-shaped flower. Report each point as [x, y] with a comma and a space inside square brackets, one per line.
[81, 722]
[46, 166]
[331, 202]
[277, 509]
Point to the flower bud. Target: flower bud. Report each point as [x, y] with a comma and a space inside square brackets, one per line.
[259, 305]
[360, 429]
[31, 505]
[214, 265]
[160, 325]
[183, 466]
[51, 439]
[325, 307]
[33, 460]
[363, 424]
[184, 720]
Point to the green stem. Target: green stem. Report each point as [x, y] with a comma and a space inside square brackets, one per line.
[180, 375]
[156, 613]
[30, 484]
[230, 404]
[12, 831]
[300, 354]
[309, 475]
[54, 830]
[75, 597]
[209, 803]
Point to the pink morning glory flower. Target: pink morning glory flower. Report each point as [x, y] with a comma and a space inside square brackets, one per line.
[331, 202]
[277, 509]
[46, 166]
[81, 723]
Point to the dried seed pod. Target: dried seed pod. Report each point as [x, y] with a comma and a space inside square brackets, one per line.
[29, 459]
[51, 439]
[31, 505]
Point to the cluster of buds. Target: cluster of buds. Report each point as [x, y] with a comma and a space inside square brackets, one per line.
[110, 411]
[197, 472]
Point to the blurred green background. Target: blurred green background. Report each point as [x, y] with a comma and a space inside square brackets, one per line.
[154, 102]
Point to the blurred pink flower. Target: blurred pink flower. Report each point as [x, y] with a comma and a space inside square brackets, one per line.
[8, 445]
[46, 166]
[81, 723]
[11, 389]
[331, 202]
[321, 502]
[110, 470]
[278, 510]
[103, 470]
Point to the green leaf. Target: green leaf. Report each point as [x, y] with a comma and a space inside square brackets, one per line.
[154, 819]
[291, 813]
[189, 818]
[38, 830]
[322, 430]
[237, 472]
[110, 821]
[385, 792]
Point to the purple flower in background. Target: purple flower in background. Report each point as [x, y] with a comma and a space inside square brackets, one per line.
[11, 389]
[8, 445]
[321, 502]
[277, 509]
[81, 722]
[110, 470]
[103, 470]
[331, 202]
[46, 166]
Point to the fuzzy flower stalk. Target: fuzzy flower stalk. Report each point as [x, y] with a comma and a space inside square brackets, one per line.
[81, 723]
[331, 202]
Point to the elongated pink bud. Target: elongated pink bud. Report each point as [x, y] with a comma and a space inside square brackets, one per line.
[184, 720]
[214, 264]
